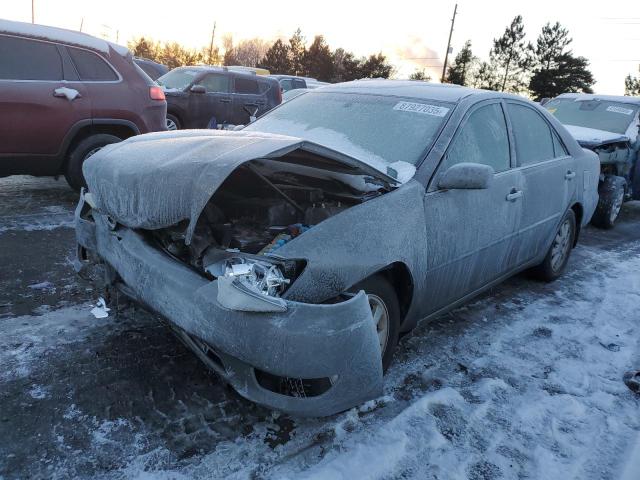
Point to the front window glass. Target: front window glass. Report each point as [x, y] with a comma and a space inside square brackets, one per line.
[177, 79]
[598, 114]
[215, 83]
[375, 129]
[482, 139]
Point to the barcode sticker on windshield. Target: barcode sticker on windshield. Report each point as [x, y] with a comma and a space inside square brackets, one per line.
[626, 111]
[423, 108]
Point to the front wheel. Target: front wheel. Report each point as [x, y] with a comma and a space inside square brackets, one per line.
[82, 151]
[385, 310]
[611, 193]
[558, 255]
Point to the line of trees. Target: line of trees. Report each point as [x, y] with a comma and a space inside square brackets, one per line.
[288, 57]
[632, 86]
[544, 69]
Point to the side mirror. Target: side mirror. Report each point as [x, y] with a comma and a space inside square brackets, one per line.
[198, 89]
[468, 176]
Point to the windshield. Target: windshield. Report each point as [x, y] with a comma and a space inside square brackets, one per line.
[598, 114]
[177, 79]
[374, 129]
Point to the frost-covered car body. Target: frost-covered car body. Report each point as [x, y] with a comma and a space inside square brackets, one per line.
[609, 126]
[169, 214]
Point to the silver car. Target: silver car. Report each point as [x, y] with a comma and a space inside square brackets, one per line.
[293, 254]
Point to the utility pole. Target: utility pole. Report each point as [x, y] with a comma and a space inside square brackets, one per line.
[213, 33]
[81, 23]
[33, 15]
[446, 55]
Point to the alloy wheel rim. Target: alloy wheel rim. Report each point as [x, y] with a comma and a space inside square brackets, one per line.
[617, 206]
[381, 319]
[561, 245]
[171, 125]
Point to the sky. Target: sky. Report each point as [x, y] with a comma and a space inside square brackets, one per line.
[410, 33]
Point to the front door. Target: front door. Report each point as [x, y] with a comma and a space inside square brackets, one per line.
[471, 233]
[213, 107]
[549, 179]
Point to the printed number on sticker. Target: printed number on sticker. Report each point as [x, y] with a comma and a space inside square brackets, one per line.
[625, 111]
[422, 108]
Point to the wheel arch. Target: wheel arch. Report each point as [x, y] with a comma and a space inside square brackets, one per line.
[401, 279]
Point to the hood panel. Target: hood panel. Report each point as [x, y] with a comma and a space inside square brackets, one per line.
[591, 137]
[156, 180]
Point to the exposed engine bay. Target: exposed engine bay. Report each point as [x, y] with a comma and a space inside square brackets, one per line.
[259, 208]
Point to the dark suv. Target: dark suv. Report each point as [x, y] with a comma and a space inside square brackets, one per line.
[64, 95]
[205, 97]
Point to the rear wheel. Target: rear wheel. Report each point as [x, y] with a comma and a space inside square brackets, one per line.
[173, 123]
[385, 310]
[558, 255]
[611, 193]
[80, 153]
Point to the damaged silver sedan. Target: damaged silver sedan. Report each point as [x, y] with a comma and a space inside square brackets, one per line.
[291, 255]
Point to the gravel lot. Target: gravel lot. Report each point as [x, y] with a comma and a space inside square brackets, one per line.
[525, 382]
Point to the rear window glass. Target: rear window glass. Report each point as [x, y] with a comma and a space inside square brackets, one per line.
[246, 85]
[264, 86]
[534, 141]
[90, 66]
[22, 59]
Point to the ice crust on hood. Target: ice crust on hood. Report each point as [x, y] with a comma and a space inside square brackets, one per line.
[593, 136]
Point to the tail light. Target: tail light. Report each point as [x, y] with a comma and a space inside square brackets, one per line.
[156, 93]
[279, 95]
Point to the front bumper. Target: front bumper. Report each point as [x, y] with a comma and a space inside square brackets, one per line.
[307, 341]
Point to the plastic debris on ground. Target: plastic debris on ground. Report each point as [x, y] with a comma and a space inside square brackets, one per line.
[100, 310]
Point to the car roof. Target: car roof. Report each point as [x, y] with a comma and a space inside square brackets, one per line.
[61, 35]
[444, 92]
[608, 98]
[216, 69]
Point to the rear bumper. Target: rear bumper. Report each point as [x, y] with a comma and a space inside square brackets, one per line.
[307, 341]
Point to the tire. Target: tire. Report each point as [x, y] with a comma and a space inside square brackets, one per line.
[383, 298]
[82, 151]
[611, 192]
[552, 266]
[173, 123]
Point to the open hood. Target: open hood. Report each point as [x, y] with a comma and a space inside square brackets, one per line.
[156, 180]
[591, 138]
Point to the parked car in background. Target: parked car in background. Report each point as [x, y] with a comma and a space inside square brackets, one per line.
[243, 69]
[290, 255]
[151, 68]
[608, 125]
[292, 82]
[205, 97]
[64, 95]
[291, 94]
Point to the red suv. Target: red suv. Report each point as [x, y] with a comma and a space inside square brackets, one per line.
[64, 95]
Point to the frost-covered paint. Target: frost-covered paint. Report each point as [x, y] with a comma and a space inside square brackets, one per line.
[453, 244]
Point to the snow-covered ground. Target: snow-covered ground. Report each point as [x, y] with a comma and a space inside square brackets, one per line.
[525, 382]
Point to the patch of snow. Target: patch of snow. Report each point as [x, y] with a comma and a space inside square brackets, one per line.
[60, 35]
[39, 392]
[42, 286]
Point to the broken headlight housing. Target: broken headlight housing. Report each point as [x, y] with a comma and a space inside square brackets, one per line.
[250, 284]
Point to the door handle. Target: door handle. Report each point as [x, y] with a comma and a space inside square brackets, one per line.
[225, 100]
[68, 93]
[514, 195]
[569, 175]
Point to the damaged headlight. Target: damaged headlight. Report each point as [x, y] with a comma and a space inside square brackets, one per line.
[249, 285]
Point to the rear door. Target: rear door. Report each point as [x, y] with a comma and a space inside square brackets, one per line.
[213, 107]
[37, 106]
[248, 100]
[549, 174]
[471, 233]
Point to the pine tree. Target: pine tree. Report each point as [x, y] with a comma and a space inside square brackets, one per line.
[486, 77]
[458, 72]
[277, 58]
[318, 61]
[297, 51]
[420, 74]
[632, 86]
[376, 66]
[144, 48]
[511, 57]
[557, 70]
[346, 67]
